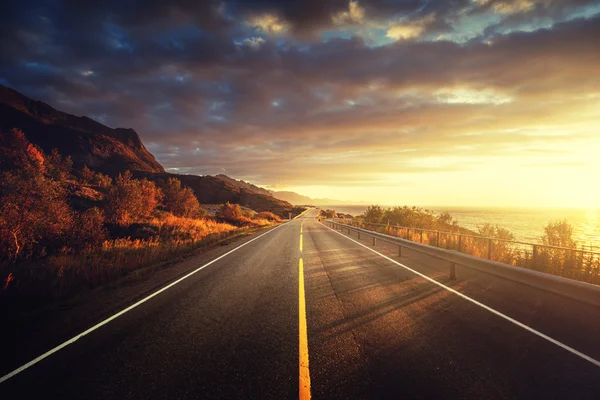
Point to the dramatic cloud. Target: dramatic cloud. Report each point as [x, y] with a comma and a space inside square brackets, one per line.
[328, 96]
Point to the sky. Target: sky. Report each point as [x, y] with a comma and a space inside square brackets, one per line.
[448, 103]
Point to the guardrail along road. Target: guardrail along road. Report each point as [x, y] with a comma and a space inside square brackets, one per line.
[305, 311]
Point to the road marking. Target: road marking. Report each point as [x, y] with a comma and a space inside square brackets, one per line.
[303, 337]
[131, 307]
[493, 311]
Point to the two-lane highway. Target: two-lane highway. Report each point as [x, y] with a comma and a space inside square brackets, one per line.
[306, 311]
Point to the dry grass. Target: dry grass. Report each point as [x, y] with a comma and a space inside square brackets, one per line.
[64, 273]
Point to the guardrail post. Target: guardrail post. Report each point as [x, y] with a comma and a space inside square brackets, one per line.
[452, 271]
[459, 243]
[489, 249]
[534, 257]
[373, 240]
[407, 233]
[421, 239]
[437, 243]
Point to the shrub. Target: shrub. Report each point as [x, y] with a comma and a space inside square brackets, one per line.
[180, 201]
[86, 175]
[89, 231]
[269, 216]
[131, 200]
[373, 214]
[232, 213]
[57, 167]
[559, 234]
[102, 180]
[17, 153]
[34, 215]
[501, 251]
[328, 213]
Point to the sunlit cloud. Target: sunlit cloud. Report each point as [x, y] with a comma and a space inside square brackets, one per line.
[409, 29]
[269, 24]
[354, 15]
[470, 96]
[253, 42]
[463, 102]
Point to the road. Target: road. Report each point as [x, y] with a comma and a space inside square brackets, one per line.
[357, 326]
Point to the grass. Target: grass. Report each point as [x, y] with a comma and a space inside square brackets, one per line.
[64, 274]
[568, 263]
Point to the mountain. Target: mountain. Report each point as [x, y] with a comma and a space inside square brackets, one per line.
[114, 151]
[215, 190]
[296, 198]
[243, 185]
[290, 197]
[87, 141]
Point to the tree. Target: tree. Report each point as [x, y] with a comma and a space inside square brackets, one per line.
[88, 229]
[17, 153]
[57, 167]
[179, 200]
[232, 213]
[131, 200]
[34, 214]
[102, 180]
[559, 234]
[501, 249]
[86, 175]
[374, 214]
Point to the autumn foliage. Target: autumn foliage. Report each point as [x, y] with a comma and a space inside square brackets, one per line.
[179, 200]
[62, 227]
[130, 200]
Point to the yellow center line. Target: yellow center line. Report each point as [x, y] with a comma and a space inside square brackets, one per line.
[301, 237]
[303, 338]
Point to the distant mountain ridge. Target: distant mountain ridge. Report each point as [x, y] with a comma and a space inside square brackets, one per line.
[290, 197]
[85, 140]
[296, 198]
[244, 185]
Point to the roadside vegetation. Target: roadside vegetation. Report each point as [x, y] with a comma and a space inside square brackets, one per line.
[557, 252]
[64, 230]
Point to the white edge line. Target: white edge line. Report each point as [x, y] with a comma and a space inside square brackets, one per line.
[131, 307]
[493, 311]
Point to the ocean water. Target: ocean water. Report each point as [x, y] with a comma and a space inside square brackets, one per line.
[526, 224]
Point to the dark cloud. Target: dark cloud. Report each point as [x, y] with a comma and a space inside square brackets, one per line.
[193, 79]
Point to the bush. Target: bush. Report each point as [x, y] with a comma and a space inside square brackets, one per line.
[131, 200]
[89, 231]
[34, 214]
[373, 214]
[180, 201]
[559, 234]
[328, 213]
[102, 180]
[232, 213]
[269, 216]
[86, 175]
[57, 167]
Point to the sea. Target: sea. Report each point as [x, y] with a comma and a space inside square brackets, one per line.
[527, 225]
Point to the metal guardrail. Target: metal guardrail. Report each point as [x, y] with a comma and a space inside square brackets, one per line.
[579, 264]
[581, 291]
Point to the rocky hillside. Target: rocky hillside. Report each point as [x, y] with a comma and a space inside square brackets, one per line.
[243, 185]
[114, 151]
[87, 141]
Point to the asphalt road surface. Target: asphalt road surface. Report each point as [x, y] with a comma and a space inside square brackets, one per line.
[357, 326]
